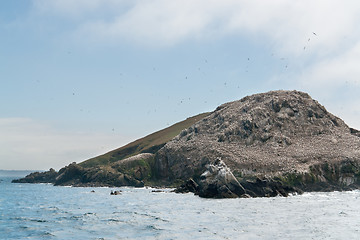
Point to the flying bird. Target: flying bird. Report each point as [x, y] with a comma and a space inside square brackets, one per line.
[314, 33]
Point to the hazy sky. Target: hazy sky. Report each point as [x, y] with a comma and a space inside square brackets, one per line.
[80, 78]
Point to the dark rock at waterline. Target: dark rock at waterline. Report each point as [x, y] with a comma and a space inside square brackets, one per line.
[115, 192]
[189, 186]
[39, 177]
[268, 187]
[219, 182]
[129, 172]
[157, 191]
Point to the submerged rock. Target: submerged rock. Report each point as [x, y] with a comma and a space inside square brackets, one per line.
[115, 192]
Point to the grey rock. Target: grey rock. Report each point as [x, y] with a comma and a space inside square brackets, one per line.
[268, 136]
[117, 192]
[189, 186]
[219, 182]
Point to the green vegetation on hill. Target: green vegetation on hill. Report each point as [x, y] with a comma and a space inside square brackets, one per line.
[149, 144]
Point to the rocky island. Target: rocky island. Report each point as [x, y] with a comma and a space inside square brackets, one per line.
[263, 145]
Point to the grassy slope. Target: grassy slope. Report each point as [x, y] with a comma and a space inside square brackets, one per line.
[149, 144]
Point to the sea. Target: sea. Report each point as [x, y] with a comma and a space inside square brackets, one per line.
[44, 211]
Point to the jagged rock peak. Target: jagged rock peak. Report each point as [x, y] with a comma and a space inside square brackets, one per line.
[276, 116]
[266, 133]
[218, 181]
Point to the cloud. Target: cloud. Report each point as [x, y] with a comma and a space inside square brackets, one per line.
[287, 24]
[348, 111]
[319, 38]
[334, 71]
[27, 144]
[75, 9]
[336, 80]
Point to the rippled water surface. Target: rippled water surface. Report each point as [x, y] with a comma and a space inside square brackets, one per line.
[42, 211]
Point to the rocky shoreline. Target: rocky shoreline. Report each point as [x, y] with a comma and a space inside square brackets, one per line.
[132, 171]
[218, 182]
[264, 145]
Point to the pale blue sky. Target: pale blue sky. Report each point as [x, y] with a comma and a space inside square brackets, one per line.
[80, 78]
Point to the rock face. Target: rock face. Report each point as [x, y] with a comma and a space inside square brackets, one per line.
[219, 182]
[268, 140]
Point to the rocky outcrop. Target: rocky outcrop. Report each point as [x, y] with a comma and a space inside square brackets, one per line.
[39, 177]
[219, 182]
[117, 192]
[267, 140]
[132, 171]
[74, 175]
[267, 144]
